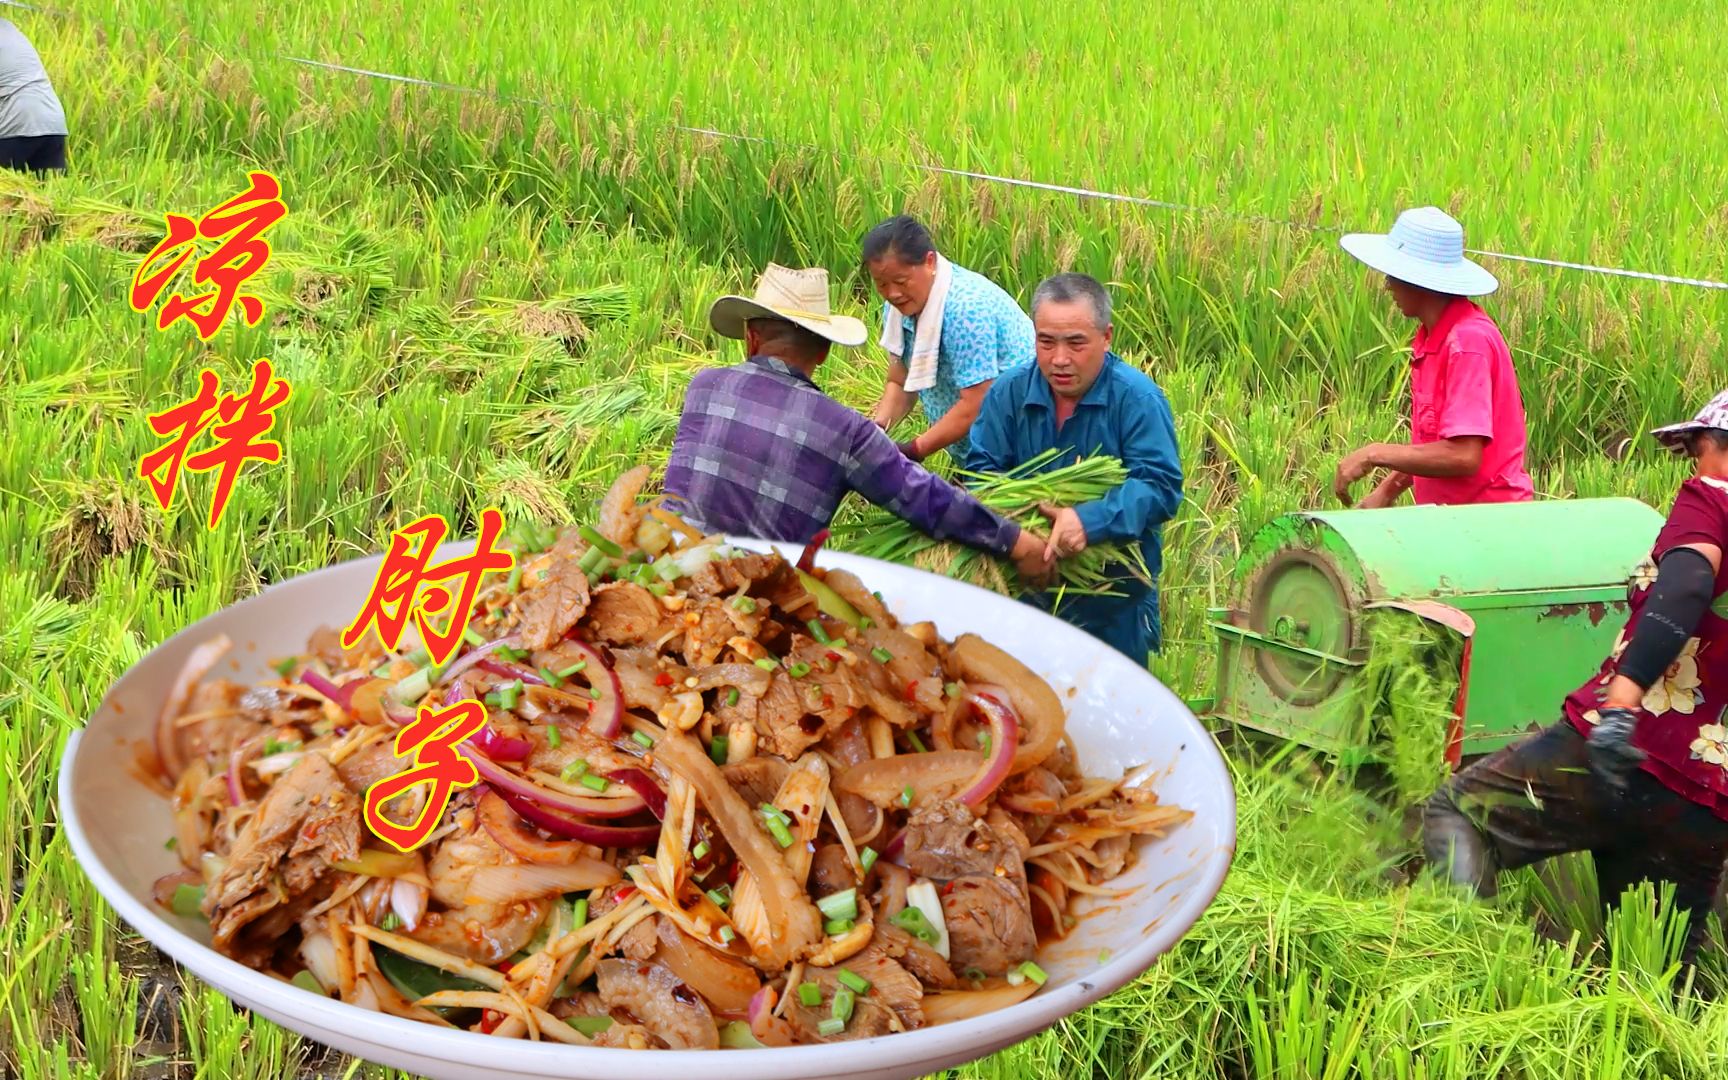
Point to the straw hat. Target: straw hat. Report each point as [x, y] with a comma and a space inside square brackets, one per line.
[1713, 415]
[1426, 248]
[799, 296]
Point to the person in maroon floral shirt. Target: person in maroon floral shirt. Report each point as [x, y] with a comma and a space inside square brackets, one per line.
[1636, 771]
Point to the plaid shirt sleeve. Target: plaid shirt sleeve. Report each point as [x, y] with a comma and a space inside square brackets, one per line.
[877, 470]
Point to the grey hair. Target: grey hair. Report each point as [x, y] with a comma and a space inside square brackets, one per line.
[1067, 288]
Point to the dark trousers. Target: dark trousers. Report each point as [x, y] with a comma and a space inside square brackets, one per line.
[34, 153]
[1538, 798]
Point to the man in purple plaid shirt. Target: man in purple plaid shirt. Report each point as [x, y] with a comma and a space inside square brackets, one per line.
[761, 452]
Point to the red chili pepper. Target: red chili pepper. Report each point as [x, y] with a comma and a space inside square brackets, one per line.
[834, 657]
[489, 1020]
[912, 690]
[505, 966]
[624, 894]
[732, 873]
[662, 679]
[948, 888]
[827, 701]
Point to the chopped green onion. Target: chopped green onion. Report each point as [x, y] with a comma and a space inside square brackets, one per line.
[305, 980]
[390, 921]
[574, 771]
[1034, 972]
[579, 914]
[745, 604]
[837, 927]
[736, 1035]
[732, 697]
[173, 842]
[830, 1027]
[843, 1002]
[809, 994]
[973, 974]
[915, 922]
[727, 934]
[917, 743]
[510, 693]
[413, 687]
[767, 664]
[271, 746]
[588, 533]
[597, 783]
[879, 599]
[594, 692]
[882, 655]
[951, 689]
[187, 900]
[857, 983]
[590, 1025]
[906, 795]
[512, 653]
[799, 670]
[667, 570]
[657, 588]
[1103, 956]
[818, 633]
[494, 699]
[867, 858]
[472, 637]
[720, 898]
[285, 667]
[573, 669]
[552, 678]
[840, 905]
[781, 834]
[699, 851]
[591, 561]
[864, 623]
[382, 671]
[514, 581]
[984, 742]
[774, 813]
[718, 748]
[642, 738]
[1015, 978]
[554, 737]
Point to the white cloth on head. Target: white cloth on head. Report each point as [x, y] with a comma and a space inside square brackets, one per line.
[927, 338]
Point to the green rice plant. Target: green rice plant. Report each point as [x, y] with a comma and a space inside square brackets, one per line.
[1018, 496]
[1405, 699]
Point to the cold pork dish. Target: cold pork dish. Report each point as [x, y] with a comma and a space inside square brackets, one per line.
[723, 800]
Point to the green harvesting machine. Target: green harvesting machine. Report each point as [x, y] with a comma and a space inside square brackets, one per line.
[1536, 590]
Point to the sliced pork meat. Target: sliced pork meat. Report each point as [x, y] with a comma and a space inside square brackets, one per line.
[758, 779]
[923, 962]
[984, 902]
[831, 871]
[707, 628]
[308, 812]
[891, 1005]
[553, 606]
[674, 1013]
[624, 613]
[745, 571]
[945, 841]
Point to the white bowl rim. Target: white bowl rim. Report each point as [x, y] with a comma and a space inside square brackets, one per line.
[1014, 1024]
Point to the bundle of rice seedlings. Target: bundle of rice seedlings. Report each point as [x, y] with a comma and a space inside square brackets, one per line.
[1406, 698]
[1100, 570]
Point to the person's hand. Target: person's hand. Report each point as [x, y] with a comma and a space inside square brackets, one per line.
[1613, 758]
[909, 450]
[1378, 499]
[1353, 468]
[1067, 535]
[1032, 560]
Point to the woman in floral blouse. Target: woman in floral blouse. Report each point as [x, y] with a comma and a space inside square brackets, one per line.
[1636, 772]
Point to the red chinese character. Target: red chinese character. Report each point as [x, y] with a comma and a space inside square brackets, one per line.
[243, 420]
[432, 738]
[392, 599]
[191, 417]
[236, 259]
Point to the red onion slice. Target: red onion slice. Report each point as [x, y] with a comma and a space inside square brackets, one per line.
[508, 783]
[601, 836]
[501, 747]
[606, 716]
[643, 784]
[342, 696]
[511, 671]
[1004, 744]
[475, 655]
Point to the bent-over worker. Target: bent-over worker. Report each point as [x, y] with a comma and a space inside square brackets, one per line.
[762, 452]
[948, 333]
[1636, 770]
[32, 123]
[1467, 432]
[1082, 397]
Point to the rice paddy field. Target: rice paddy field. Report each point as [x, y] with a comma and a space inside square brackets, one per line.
[496, 299]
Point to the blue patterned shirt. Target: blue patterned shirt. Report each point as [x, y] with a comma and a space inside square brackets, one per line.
[984, 334]
[762, 453]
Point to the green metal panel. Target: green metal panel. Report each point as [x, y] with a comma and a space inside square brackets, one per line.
[1544, 582]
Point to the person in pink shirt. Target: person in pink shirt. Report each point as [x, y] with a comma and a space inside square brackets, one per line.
[1467, 432]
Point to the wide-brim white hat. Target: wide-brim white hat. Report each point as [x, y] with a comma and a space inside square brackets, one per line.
[799, 296]
[1426, 248]
[1713, 415]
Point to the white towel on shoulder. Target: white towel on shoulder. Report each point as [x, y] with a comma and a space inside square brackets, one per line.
[926, 338]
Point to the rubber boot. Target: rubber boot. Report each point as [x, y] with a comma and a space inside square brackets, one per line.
[1456, 848]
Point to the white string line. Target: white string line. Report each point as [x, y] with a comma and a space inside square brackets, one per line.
[1008, 181]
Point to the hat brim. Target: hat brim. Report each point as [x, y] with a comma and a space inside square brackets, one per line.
[729, 314]
[1462, 278]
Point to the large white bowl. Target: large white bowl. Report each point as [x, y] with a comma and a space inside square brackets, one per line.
[1119, 715]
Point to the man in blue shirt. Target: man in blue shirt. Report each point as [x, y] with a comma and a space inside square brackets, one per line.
[1083, 398]
[948, 333]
